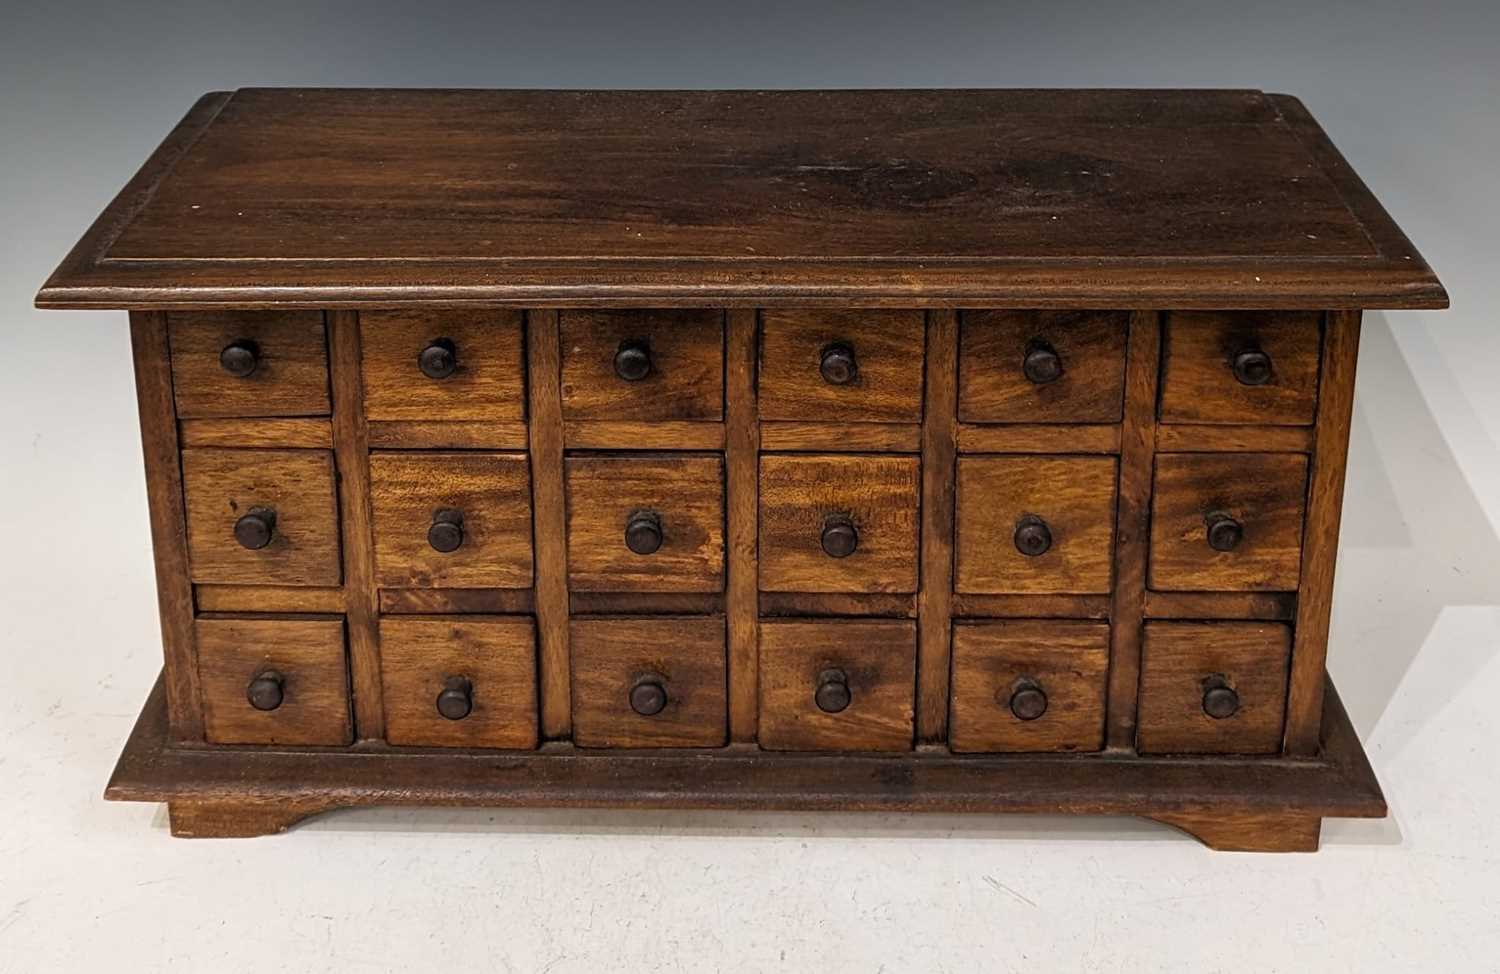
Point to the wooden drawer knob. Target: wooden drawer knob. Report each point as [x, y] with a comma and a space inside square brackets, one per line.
[240, 358]
[266, 691]
[837, 364]
[1252, 367]
[456, 700]
[649, 696]
[643, 532]
[447, 530]
[1028, 701]
[256, 529]
[1224, 532]
[832, 695]
[633, 360]
[1033, 537]
[1042, 363]
[840, 538]
[439, 359]
[1219, 699]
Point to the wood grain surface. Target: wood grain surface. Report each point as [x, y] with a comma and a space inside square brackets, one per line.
[1178, 657]
[993, 388]
[486, 384]
[887, 349]
[290, 377]
[1198, 384]
[308, 653]
[686, 381]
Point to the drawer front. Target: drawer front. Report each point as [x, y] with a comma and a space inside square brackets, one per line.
[645, 522]
[1035, 524]
[649, 682]
[1042, 366]
[261, 516]
[647, 365]
[459, 682]
[838, 523]
[842, 366]
[1213, 687]
[442, 365]
[1227, 522]
[1241, 367]
[249, 363]
[1029, 685]
[837, 685]
[451, 520]
[273, 681]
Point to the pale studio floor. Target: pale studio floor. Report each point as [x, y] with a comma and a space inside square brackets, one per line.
[86, 885]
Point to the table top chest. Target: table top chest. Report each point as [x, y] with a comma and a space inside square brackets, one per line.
[952, 450]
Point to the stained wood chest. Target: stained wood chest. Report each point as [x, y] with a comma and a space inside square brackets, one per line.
[900, 450]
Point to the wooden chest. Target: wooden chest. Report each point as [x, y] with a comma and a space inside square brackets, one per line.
[900, 450]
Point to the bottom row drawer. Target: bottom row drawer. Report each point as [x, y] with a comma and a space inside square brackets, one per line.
[825, 685]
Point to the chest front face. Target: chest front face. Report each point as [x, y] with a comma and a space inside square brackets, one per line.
[663, 529]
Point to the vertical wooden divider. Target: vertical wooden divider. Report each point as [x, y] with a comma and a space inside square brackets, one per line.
[1320, 535]
[351, 450]
[1132, 528]
[741, 460]
[174, 590]
[939, 467]
[549, 521]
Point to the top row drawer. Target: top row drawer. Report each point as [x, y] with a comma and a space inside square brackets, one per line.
[820, 366]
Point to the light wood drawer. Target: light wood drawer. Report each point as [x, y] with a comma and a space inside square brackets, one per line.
[273, 680]
[1213, 687]
[249, 363]
[1254, 367]
[1042, 366]
[844, 685]
[261, 516]
[1035, 524]
[467, 682]
[649, 681]
[842, 366]
[451, 520]
[442, 365]
[644, 365]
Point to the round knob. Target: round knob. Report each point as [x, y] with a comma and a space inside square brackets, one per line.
[456, 700]
[1029, 701]
[1224, 532]
[1042, 363]
[1033, 537]
[439, 359]
[266, 691]
[838, 365]
[1252, 367]
[256, 529]
[447, 531]
[240, 358]
[839, 537]
[832, 695]
[643, 532]
[1220, 700]
[633, 360]
[648, 697]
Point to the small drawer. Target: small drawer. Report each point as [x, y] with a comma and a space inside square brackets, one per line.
[843, 523]
[1227, 522]
[261, 516]
[645, 522]
[649, 682]
[273, 681]
[837, 685]
[451, 520]
[1035, 524]
[1029, 685]
[647, 365]
[467, 682]
[1213, 687]
[1256, 367]
[842, 366]
[249, 363]
[1042, 366]
[442, 365]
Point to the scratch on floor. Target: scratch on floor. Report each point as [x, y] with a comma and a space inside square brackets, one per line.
[1002, 888]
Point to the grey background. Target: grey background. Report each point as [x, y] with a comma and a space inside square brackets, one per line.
[1411, 94]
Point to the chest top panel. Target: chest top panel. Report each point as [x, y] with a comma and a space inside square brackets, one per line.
[1028, 197]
